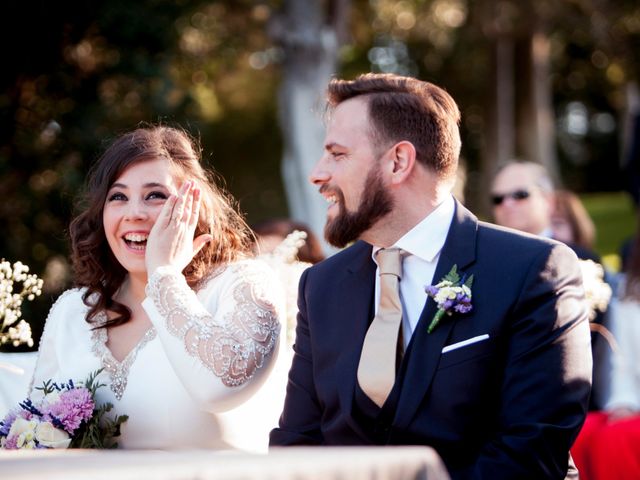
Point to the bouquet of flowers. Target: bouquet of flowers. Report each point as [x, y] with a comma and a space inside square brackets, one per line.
[66, 417]
[11, 299]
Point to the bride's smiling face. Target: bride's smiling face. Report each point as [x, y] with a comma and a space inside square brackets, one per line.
[131, 207]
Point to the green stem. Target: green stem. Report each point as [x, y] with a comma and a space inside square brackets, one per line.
[436, 319]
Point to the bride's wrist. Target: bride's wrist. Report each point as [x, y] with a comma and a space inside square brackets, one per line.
[162, 271]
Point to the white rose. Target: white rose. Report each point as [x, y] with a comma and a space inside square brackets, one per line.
[25, 441]
[441, 297]
[20, 426]
[52, 437]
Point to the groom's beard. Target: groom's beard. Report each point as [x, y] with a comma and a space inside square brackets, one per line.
[347, 227]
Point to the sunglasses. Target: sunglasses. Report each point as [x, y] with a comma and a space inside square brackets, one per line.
[517, 195]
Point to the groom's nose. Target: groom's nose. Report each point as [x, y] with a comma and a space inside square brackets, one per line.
[319, 174]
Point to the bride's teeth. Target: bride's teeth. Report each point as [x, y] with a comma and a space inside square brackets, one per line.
[135, 237]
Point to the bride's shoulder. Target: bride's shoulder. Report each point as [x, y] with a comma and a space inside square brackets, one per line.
[251, 270]
[249, 276]
[70, 297]
[64, 313]
[67, 304]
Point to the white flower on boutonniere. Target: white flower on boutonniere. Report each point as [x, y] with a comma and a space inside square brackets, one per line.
[452, 295]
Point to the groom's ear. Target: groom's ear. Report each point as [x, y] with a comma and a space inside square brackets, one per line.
[404, 160]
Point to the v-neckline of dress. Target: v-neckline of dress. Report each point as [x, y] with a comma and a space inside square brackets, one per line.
[118, 371]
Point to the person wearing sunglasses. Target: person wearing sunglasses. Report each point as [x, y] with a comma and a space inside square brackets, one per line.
[522, 198]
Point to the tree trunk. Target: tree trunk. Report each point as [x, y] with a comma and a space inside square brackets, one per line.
[519, 113]
[535, 117]
[308, 32]
[501, 136]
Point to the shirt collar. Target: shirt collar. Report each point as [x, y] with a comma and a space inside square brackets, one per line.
[427, 238]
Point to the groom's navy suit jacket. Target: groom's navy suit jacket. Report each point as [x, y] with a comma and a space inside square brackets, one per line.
[507, 406]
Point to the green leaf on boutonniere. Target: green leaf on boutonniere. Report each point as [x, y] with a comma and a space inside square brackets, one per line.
[452, 295]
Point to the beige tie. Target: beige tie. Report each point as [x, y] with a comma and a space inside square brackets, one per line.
[377, 368]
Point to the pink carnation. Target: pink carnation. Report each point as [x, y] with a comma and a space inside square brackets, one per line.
[73, 407]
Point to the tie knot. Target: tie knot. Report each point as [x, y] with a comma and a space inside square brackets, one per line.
[390, 261]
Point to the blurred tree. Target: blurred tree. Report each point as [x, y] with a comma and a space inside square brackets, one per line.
[310, 35]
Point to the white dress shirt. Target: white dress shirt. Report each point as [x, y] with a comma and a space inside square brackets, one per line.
[423, 244]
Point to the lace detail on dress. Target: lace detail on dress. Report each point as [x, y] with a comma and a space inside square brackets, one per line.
[118, 371]
[233, 347]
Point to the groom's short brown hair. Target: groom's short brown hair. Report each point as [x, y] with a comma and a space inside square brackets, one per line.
[407, 109]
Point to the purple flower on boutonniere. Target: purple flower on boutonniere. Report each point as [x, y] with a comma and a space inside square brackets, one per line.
[452, 295]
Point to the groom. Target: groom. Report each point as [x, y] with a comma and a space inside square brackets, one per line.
[500, 385]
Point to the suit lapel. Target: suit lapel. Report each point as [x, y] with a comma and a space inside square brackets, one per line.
[424, 350]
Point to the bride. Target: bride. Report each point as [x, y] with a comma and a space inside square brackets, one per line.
[168, 302]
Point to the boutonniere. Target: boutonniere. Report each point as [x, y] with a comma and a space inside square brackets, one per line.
[452, 294]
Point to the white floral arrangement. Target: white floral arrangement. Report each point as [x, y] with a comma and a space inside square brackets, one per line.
[16, 285]
[284, 260]
[597, 291]
[287, 251]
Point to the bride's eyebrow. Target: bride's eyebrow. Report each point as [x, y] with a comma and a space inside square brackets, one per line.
[146, 185]
[155, 185]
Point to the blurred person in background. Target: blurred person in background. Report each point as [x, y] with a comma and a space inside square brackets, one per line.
[608, 446]
[570, 221]
[522, 198]
[271, 233]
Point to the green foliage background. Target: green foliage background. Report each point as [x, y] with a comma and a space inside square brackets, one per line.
[77, 73]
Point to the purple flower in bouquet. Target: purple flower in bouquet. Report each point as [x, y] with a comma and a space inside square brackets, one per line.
[452, 295]
[11, 443]
[7, 421]
[71, 408]
[66, 417]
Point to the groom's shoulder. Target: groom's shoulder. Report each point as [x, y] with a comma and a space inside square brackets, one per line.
[493, 237]
[500, 233]
[358, 252]
[504, 239]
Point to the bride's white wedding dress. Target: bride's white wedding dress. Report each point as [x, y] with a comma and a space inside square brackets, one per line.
[206, 353]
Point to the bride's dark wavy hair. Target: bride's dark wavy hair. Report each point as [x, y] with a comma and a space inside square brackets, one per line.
[94, 264]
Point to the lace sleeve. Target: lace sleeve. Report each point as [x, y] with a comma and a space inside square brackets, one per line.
[234, 341]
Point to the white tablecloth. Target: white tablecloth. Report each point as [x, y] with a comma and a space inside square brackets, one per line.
[294, 463]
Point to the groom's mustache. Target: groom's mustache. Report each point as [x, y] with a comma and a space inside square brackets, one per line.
[328, 189]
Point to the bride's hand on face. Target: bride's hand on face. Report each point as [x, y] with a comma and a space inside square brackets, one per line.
[171, 241]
